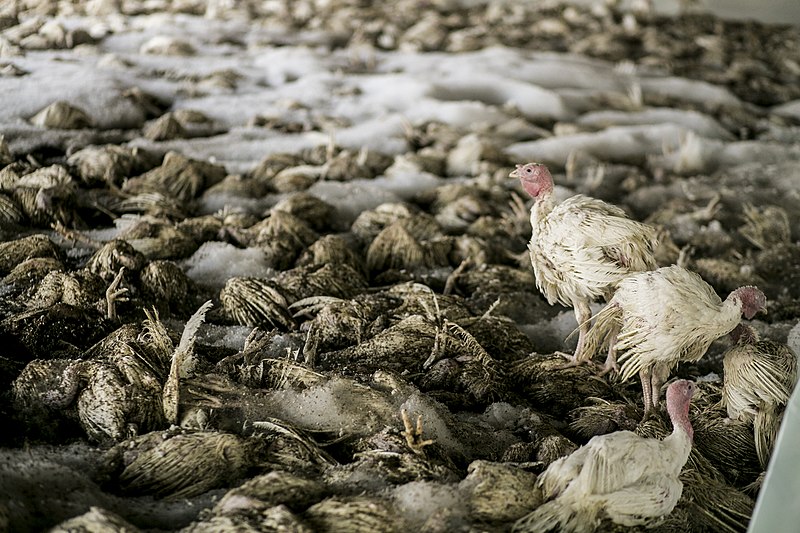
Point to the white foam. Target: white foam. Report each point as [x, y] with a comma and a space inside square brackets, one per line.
[216, 262]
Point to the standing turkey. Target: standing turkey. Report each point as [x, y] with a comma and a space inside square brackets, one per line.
[630, 479]
[660, 318]
[581, 248]
[758, 379]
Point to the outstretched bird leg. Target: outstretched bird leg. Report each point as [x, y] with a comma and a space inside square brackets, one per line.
[583, 314]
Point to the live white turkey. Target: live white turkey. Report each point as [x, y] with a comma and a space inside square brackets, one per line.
[660, 318]
[581, 248]
[759, 376]
[629, 479]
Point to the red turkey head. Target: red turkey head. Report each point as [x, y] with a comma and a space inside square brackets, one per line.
[535, 178]
[753, 301]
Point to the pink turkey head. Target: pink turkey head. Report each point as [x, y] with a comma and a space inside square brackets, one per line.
[535, 178]
[680, 392]
[752, 299]
[679, 395]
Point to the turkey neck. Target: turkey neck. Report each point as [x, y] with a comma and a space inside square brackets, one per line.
[730, 315]
[681, 426]
[743, 334]
[542, 207]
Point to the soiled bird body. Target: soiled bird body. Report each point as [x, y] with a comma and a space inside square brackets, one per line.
[759, 376]
[630, 479]
[581, 248]
[660, 318]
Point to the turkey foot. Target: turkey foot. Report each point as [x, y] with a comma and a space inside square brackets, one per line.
[572, 361]
[115, 294]
[413, 434]
[609, 366]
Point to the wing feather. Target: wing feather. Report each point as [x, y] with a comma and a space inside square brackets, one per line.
[651, 497]
[762, 373]
[669, 315]
[584, 247]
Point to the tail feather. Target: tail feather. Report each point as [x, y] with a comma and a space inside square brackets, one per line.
[183, 363]
[605, 322]
[557, 516]
[765, 429]
[187, 338]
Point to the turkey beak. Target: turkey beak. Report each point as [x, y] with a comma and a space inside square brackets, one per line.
[763, 311]
[515, 172]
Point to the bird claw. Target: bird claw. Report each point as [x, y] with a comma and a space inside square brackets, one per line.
[115, 294]
[572, 361]
[609, 367]
[413, 434]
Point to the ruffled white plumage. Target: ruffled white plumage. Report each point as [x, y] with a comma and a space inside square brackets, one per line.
[608, 463]
[630, 479]
[660, 318]
[671, 315]
[581, 248]
[666, 316]
[758, 379]
[755, 374]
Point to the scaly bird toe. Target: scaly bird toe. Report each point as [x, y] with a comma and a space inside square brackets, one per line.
[609, 367]
[572, 361]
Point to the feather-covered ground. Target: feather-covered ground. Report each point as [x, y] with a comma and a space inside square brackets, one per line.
[335, 174]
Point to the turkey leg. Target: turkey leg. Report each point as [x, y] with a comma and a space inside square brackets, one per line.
[647, 391]
[660, 373]
[583, 314]
[611, 359]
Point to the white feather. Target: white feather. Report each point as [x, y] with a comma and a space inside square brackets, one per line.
[183, 363]
[184, 353]
[582, 248]
[630, 479]
[668, 315]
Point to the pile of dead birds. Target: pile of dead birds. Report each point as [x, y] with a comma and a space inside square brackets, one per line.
[389, 368]
[756, 61]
